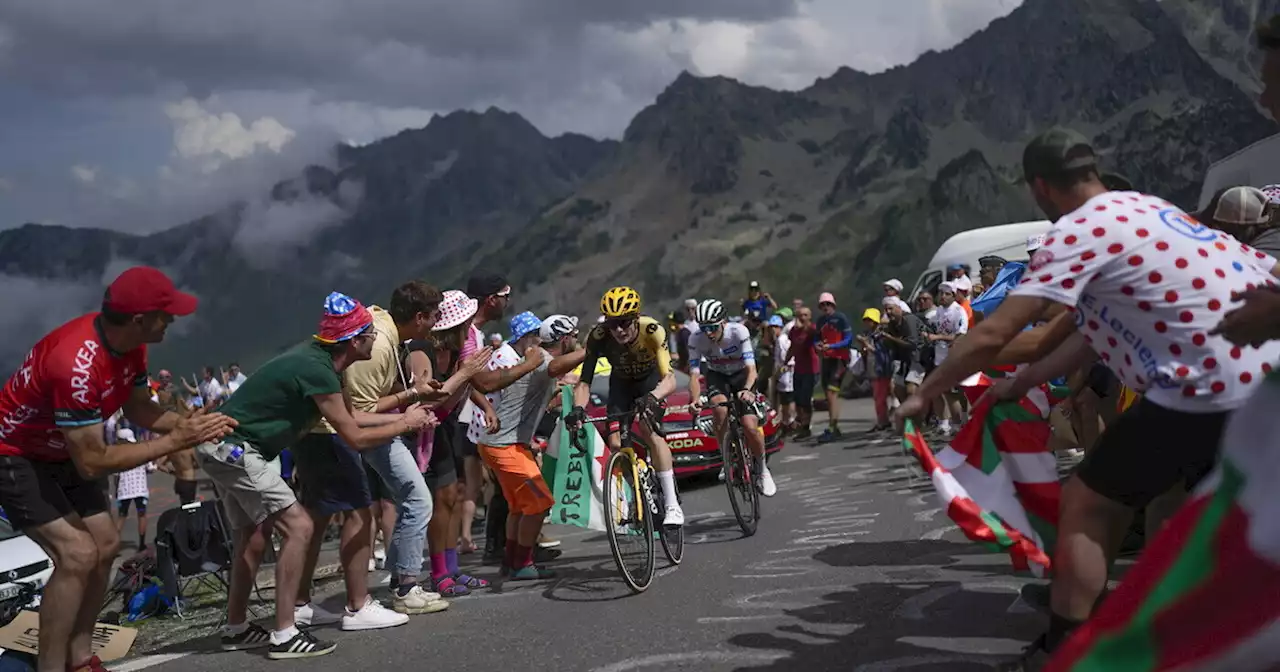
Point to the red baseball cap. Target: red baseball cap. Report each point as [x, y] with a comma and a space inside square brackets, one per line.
[143, 289]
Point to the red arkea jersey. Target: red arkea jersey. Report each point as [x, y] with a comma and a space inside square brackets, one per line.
[70, 379]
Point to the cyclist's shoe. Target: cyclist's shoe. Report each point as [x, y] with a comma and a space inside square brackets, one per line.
[721, 476]
[764, 482]
[531, 573]
[674, 516]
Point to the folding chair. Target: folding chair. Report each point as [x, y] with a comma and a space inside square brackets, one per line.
[193, 549]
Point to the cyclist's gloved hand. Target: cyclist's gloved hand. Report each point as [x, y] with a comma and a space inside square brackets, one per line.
[576, 418]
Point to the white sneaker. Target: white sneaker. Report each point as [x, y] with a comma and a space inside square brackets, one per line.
[373, 565]
[419, 601]
[674, 516]
[311, 614]
[767, 487]
[372, 616]
[721, 476]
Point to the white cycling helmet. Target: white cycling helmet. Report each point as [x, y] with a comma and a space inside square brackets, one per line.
[710, 311]
[557, 327]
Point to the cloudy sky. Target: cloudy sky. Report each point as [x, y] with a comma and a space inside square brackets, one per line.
[141, 114]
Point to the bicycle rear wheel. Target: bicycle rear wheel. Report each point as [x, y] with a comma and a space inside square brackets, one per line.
[740, 481]
[628, 522]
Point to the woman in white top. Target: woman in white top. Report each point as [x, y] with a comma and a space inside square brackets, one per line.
[132, 488]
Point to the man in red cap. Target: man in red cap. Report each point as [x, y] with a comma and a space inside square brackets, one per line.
[53, 452]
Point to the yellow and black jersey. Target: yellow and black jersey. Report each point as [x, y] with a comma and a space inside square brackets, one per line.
[635, 360]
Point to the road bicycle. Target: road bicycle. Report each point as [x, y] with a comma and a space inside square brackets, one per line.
[740, 478]
[634, 508]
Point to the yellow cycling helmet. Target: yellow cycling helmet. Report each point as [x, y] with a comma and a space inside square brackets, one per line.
[620, 302]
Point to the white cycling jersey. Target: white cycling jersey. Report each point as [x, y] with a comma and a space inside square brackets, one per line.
[730, 354]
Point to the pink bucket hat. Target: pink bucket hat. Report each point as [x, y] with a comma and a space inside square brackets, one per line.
[455, 308]
[826, 297]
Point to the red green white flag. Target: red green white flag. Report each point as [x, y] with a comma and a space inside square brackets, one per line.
[1205, 594]
[998, 480]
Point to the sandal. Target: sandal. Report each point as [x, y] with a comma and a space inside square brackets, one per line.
[448, 587]
[471, 582]
[467, 547]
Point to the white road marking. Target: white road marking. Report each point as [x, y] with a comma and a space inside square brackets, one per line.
[144, 662]
[734, 619]
[671, 660]
[934, 535]
[798, 458]
[926, 516]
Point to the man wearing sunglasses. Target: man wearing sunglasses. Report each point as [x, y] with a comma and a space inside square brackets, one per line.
[731, 369]
[636, 347]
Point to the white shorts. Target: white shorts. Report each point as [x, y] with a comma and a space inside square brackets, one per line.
[915, 375]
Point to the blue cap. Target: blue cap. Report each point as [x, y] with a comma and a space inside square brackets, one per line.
[524, 324]
[775, 321]
[955, 267]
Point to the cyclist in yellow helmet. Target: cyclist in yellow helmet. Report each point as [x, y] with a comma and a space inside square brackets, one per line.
[636, 347]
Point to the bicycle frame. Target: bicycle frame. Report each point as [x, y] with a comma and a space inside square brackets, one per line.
[638, 464]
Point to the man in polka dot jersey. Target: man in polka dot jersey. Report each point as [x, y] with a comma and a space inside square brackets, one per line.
[1147, 284]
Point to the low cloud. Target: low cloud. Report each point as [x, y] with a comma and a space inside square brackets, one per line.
[270, 229]
[32, 307]
[84, 174]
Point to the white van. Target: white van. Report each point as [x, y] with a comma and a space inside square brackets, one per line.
[1257, 165]
[967, 247]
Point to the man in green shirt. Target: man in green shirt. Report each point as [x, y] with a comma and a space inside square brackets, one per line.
[274, 408]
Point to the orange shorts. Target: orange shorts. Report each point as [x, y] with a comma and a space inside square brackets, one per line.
[518, 475]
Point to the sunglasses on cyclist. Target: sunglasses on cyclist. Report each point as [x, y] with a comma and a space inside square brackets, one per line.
[709, 328]
[619, 323]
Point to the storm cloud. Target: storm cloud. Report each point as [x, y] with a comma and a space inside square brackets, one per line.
[135, 92]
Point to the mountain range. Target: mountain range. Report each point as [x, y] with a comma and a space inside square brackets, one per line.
[838, 186]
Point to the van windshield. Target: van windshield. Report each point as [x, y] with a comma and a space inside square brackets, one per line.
[928, 283]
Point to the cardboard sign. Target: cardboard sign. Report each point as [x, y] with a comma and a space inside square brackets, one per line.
[110, 642]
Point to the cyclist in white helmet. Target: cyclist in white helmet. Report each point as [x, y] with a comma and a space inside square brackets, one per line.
[725, 348]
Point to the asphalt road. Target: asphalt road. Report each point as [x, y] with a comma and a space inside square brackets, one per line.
[853, 568]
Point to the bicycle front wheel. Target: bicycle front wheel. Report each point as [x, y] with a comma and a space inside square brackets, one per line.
[628, 521]
[740, 481]
[672, 536]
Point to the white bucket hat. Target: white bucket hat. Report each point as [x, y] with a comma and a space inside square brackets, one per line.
[455, 308]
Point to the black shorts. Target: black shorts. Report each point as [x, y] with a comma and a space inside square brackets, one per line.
[833, 372]
[805, 383]
[785, 397]
[34, 492]
[729, 384]
[463, 445]
[378, 490]
[442, 468]
[1101, 380]
[1149, 449]
[331, 476]
[140, 503]
[623, 392]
